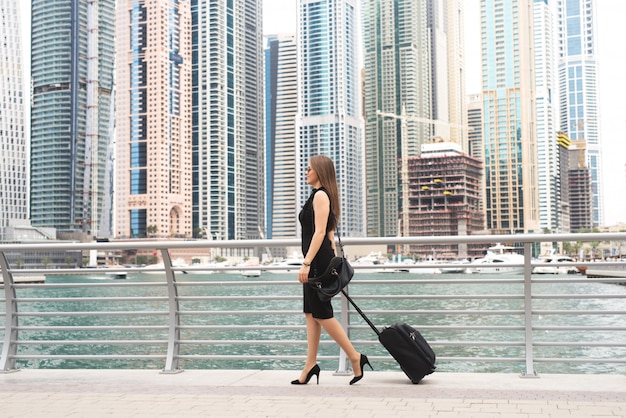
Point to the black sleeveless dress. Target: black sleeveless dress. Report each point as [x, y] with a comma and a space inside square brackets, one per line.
[312, 303]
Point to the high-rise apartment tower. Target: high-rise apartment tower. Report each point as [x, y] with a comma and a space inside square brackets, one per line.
[578, 78]
[13, 144]
[282, 105]
[72, 65]
[398, 92]
[329, 118]
[153, 109]
[510, 148]
[227, 119]
[546, 87]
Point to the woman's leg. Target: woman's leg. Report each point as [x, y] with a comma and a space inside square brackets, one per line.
[313, 335]
[337, 333]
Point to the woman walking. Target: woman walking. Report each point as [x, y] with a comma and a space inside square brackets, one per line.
[318, 219]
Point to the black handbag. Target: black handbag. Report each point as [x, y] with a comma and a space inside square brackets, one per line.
[337, 275]
[334, 279]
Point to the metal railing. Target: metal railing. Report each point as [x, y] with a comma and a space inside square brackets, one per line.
[477, 322]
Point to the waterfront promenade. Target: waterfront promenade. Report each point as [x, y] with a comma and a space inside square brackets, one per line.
[254, 393]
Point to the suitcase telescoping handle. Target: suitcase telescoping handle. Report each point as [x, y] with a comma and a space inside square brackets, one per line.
[361, 313]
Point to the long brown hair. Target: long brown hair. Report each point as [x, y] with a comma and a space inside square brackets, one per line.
[325, 170]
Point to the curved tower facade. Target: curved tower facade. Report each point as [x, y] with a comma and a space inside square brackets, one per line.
[72, 59]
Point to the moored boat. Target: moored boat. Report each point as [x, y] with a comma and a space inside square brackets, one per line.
[248, 271]
[373, 262]
[290, 264]
[497, 260]
[557, 267]
[118, 275]
[159, 268]
[458, 266]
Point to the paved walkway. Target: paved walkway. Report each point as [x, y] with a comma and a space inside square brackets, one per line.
[252, 393]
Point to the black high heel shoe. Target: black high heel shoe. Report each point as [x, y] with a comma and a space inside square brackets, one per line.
[315, 371]
[363, 361]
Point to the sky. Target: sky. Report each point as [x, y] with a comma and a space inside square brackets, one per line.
[280, 16]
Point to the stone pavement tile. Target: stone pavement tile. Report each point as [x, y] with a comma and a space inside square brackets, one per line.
[234, 394]
[597, 409]
[502, 407]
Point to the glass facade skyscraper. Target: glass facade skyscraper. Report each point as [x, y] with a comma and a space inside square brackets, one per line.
[72, 64]
[398, 78]
[329, 120]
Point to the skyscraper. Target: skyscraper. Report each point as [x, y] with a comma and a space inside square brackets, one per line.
[228, 116]
[281, 98]
[546, 87]
[397, 59]
[329, 119]
[153, 108]
[510, 149]
[13, 144]
[578, 74]
[446, 21]
[72, 60]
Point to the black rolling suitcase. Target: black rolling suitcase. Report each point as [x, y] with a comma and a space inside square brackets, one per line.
[406, 345]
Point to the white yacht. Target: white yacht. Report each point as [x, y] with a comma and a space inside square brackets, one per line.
[368, 262]
[204, 268]
[556, 268]
[497, 255]
[425, 270]
[290, 264]
[256, 272]
[428, 266]
[460, 266]
[159, 268]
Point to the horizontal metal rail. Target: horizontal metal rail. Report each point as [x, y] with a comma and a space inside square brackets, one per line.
[473, 322]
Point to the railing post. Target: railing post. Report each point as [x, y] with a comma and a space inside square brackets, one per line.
[528, 313]
[9, 345]
[173, 338]
[343, 368]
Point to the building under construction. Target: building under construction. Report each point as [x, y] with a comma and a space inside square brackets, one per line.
[575, 185]
[444, 190]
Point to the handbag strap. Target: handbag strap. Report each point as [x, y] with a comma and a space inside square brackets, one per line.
[343, 254]
[361, 313]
